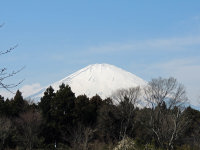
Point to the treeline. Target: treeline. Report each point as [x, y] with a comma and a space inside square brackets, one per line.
[63, 121]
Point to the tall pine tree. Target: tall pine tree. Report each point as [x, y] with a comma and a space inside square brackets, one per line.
[18, 104]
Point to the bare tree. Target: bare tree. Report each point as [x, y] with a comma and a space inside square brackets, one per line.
[28, 125]
[5, 126]
[4, 74]
[127, 100]
[81, 136]
[166, 98]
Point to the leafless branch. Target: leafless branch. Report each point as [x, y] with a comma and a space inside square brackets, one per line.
[8, 50]
[166, 98]
[127, 101]
[4, 75]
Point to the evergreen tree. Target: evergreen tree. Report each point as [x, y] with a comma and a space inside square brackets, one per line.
[95, 104]
[1, 105]
[82, 111]
[46, 103]
[108, 122]
[192, 133]
[18, 104]
[57, 109]
[7, 108]
[48, 128]
[63, 105]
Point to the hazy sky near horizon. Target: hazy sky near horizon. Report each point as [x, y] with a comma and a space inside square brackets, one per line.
[56, 38]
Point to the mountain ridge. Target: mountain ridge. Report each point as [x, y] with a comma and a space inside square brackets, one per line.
[102, 79]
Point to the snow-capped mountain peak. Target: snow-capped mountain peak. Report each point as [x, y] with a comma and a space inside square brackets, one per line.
[101, 79]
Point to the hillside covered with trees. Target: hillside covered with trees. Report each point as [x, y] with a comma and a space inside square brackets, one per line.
[63, 121]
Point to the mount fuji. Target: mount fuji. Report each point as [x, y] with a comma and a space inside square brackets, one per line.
[101, 79]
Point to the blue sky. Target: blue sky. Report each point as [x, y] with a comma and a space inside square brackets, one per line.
[148, 38]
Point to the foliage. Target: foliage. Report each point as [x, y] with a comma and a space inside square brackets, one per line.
[62, 121]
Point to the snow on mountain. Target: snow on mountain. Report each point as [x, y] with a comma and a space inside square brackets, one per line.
[101, 79]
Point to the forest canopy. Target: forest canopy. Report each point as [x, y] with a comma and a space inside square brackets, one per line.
[63, 121]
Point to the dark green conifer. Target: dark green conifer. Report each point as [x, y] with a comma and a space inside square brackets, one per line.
[17, 104]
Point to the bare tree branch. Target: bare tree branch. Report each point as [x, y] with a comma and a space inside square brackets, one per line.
[8, 50]
[166, 98]
[3, 71]
[128, 100]
[4, 75]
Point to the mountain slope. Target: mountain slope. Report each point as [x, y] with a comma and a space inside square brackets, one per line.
[101, 79]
